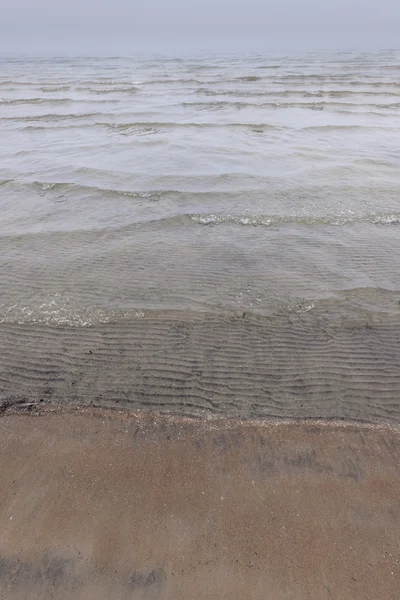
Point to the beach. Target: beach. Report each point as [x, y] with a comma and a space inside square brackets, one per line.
[99, 504]
[200, 327]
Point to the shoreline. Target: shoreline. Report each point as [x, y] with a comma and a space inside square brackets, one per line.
[297, 367]
[207, 421]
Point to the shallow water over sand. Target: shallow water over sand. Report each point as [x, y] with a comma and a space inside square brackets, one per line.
[234, 182]
[222, 231]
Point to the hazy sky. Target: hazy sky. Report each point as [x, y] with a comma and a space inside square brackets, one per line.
[109, 26]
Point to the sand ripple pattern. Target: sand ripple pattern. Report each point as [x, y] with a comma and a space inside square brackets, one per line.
[204, 235]
[234, 365]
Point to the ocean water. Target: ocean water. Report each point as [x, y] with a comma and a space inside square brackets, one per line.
[268, 184]
[215, 234]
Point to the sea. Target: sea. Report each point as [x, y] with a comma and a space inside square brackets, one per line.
[222, 228]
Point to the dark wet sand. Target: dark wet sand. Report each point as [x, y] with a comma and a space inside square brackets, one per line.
[104, 505]
[300, 366]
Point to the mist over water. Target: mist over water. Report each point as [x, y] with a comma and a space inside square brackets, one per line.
[130, 186]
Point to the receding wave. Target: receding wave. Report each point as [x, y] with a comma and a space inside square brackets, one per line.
[57, 310]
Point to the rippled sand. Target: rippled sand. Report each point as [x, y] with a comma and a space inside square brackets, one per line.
[310, 364]
[97, 505]
[211, 239]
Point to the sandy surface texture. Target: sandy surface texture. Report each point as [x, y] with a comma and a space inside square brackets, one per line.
[98, 505]
[245, 366]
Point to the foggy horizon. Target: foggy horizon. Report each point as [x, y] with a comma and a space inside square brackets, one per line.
[160, 27]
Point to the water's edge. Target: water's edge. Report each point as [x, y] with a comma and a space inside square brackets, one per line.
[293, 367]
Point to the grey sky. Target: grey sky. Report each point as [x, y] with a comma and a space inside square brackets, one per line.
[131, 25]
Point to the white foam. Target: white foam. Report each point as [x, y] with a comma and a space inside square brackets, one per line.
[59, 310]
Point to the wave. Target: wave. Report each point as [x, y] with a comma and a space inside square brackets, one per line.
[57, 310]
[390, 106]
[66, 84]
[299, 93]
[110, 90]
[53, 117]
[15, 82]
[357, 93]
[17, 101]
[203, 67]
[371, 82]
[269, 220]
[151, 128]
[239, 187]
[249, 78]
[224, 104]
[179, 81]
[48, 186]
[60, 186]
[154, 126]
[193, 81]
[246, 93]
[54, 88]
[46, 122]
[319, 128]
[343, 107]
[179, 220]
[347, 78]
[42, 83]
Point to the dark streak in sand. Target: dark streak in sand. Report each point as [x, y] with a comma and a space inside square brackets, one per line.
[98, 504]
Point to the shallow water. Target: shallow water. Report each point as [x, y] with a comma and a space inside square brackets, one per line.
[128, 185]
[203, 235]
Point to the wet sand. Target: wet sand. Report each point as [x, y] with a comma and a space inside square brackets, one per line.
[314, 365]
[101, 504]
